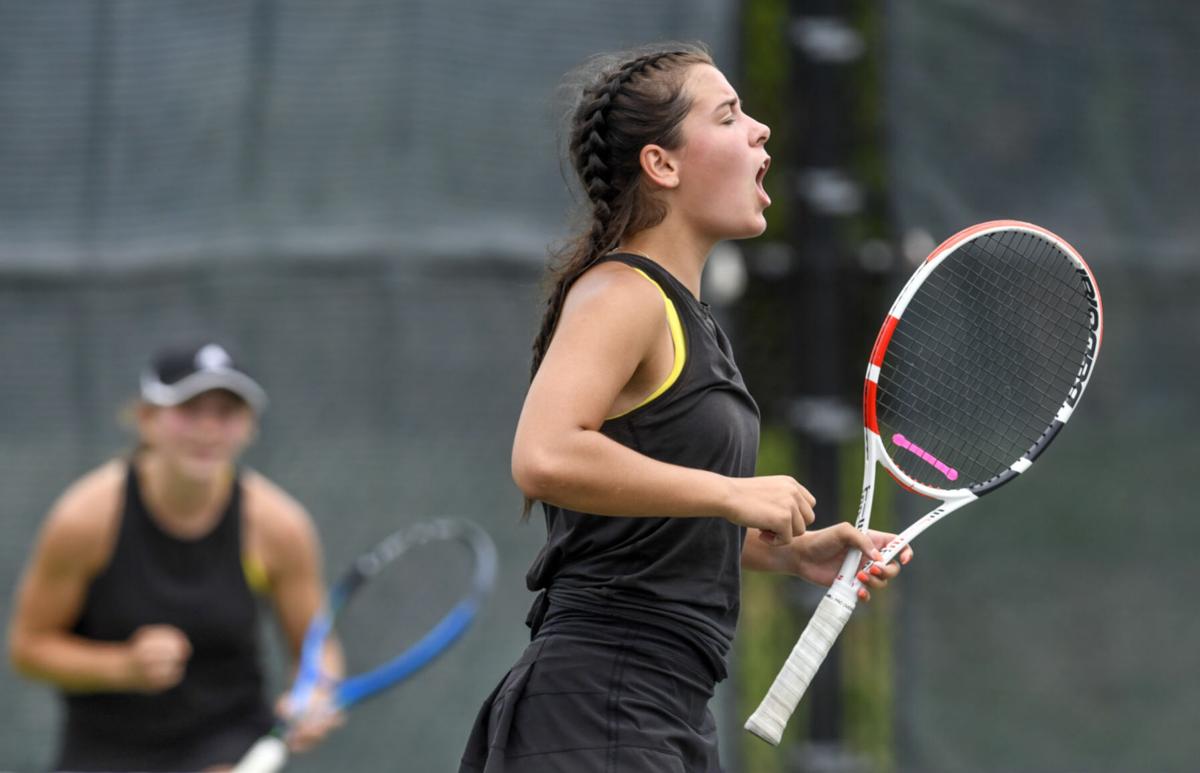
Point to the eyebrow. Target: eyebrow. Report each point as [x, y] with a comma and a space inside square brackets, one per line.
[729, 103]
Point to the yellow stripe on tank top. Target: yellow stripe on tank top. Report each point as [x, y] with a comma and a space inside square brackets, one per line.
[676, 339]
[255, 574]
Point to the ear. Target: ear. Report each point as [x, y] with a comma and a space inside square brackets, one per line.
[140, 417]
[252, 434]
[660, 166]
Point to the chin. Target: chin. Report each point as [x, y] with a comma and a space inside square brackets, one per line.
[750, 229]
[201, 469]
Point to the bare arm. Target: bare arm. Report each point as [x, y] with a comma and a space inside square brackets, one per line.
[291, 552]
[601, 353]
[74, 544]
[817, 555]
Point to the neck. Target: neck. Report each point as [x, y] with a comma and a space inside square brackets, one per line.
[180, 500]
[679, 250]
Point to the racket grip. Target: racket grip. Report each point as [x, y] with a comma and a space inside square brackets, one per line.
[268, 755]
[769, 719]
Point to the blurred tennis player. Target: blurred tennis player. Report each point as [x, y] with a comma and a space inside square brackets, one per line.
[640, 439]
[139, 601]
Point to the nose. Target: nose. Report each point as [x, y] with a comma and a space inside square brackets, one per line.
[760, 133]
[209, 418]
[207, 422]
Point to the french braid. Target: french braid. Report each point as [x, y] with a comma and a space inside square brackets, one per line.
[635, 104]
[639, 102]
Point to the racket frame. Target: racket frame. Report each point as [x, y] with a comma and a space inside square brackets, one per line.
[270, 753]
[770, 718]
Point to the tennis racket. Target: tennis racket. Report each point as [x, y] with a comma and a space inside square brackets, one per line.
[979, 364]
[380, 568]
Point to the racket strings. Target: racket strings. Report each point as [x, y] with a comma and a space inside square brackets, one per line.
[993, 356]
[989, 359]
[412, 580]
[992, 362]
[1001, 354]
[1057, 291]
[983, 356]
[1001, 358]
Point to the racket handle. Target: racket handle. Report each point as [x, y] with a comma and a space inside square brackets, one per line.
[268, 755]
[769, 719]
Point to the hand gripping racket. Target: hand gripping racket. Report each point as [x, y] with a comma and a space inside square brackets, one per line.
[979, 364]
[380, 565]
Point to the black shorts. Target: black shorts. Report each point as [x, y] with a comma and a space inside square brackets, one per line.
[598, 696]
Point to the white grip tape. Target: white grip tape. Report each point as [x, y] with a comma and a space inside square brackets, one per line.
[771, 716]
[266, 756]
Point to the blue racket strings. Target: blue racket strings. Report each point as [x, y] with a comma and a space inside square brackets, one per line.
[373, 567]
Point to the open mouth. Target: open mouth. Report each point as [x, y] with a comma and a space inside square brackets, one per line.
[760, 176]
[762, 171]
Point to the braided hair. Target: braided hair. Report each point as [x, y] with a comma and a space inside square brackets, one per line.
[638, 102]
[625, 107]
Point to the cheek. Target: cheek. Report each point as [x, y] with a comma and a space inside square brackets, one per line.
[713, 160]
[717, 172]
[236, 431]
[169, 424]
[240, 433]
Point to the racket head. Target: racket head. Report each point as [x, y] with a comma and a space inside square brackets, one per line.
[982, 359]
[398, 607]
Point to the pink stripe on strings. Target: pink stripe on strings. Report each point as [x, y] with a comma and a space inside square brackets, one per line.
[942, 467]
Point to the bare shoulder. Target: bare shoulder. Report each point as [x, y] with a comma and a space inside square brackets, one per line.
[277, 524]
[82, 523]
[617, 285]
[616, 300]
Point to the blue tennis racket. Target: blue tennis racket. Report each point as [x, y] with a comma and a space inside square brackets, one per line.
[379, 568]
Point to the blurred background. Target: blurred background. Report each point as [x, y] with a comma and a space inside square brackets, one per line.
[358, 196]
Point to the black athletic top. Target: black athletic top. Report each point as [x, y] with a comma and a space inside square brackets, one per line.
[218, 710]
[679, 574]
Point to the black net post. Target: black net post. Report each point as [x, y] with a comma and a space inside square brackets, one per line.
[825, 195]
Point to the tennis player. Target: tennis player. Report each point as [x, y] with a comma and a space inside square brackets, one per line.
[639, 437]
[140, 601]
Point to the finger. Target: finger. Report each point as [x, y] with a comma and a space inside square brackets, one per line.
[886, 571]
[808, 497]
[877, 577]
[172, 666]
[176, 649]
[863, 542]
[300, 741]
[798, 524]
[883, 539]
[313, 728]
[157, 664]
[806, 507]
[769, 537]
[172, 637]
[873, 576]
[307, 734]
[166, 677]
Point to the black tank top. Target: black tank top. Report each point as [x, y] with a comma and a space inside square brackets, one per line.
[198, 586]
[682, 575]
